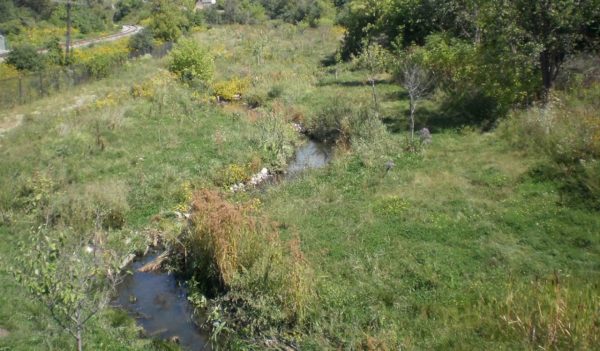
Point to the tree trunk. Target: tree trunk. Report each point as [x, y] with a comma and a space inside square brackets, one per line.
[412, 119]
[79, 340]
[547, 73]
[375, 102]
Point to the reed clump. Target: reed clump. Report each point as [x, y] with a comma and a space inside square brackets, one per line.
[260, 280]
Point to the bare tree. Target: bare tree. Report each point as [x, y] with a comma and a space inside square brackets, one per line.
[417, 82]
[375, 59]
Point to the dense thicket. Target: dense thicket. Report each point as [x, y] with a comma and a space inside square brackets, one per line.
[253, 11]
[18, 16]
[490, 55]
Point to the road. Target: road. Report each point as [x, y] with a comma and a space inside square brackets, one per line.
[126, 31]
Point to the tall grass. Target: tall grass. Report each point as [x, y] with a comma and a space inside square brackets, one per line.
[552, 313]
[567, 131]
[263, 283]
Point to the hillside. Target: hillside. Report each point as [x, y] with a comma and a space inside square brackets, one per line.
[477, 237]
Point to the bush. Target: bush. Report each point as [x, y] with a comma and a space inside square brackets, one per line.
[167, 20]
[192, 62]
[255, 100]
[233, 174]
[231, 89]
[141, 43]
[242, 12]
[276, 138]
[125, 7]
[101, 60]
[343, 123]
[275, 92]
[25, 58]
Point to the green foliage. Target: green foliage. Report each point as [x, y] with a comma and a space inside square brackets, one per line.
[240, 11]
[25, 58]
[190, 61]
[72, 280]
[567, 131]
[508, 54]
[233, 174]
[126, 7]
[276, 138]
[167, 20]
[142, 42]
[101, 65]
[55, 54]
[343, 122]
[231, 89]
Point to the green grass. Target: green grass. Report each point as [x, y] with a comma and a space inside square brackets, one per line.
[422, 256]
[445, 251]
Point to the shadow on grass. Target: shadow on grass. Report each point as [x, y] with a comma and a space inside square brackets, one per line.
[351, 83]
[453, 112]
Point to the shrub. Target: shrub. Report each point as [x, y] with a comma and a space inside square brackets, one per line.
[141, 43]
[101, 60]
[275, 92]
[25, 58]
[8, 71]
[167, 20]
[255, 100]
[233, 174]
[231, 89]
[343, 123]
[276, 139]
[192, 62]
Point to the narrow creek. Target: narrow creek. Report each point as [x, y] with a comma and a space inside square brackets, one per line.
[158, 300]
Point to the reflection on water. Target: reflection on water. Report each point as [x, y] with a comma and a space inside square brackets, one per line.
[160, 305]
[312, 154]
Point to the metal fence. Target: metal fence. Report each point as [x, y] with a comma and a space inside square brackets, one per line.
[32, 86]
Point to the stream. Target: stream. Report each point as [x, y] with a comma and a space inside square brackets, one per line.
[158, 301]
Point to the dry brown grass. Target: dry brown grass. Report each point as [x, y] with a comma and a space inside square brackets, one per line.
[244, 252]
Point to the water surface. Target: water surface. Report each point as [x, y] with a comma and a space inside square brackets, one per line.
[312, 154]
[159, 303]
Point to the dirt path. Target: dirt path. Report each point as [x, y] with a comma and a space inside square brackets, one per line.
[10, 122]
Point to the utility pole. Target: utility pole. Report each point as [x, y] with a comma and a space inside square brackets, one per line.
[69, 6]
[68, 39]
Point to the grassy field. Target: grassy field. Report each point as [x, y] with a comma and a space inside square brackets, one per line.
[459, 246]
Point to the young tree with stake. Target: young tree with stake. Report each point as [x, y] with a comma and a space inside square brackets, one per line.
[416, 80]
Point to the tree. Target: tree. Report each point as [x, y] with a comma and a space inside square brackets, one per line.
[73, 277]
[167, 20]
[557, 27]
[375, 59]
[25, 58]
[416, 80]
[125, 7]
